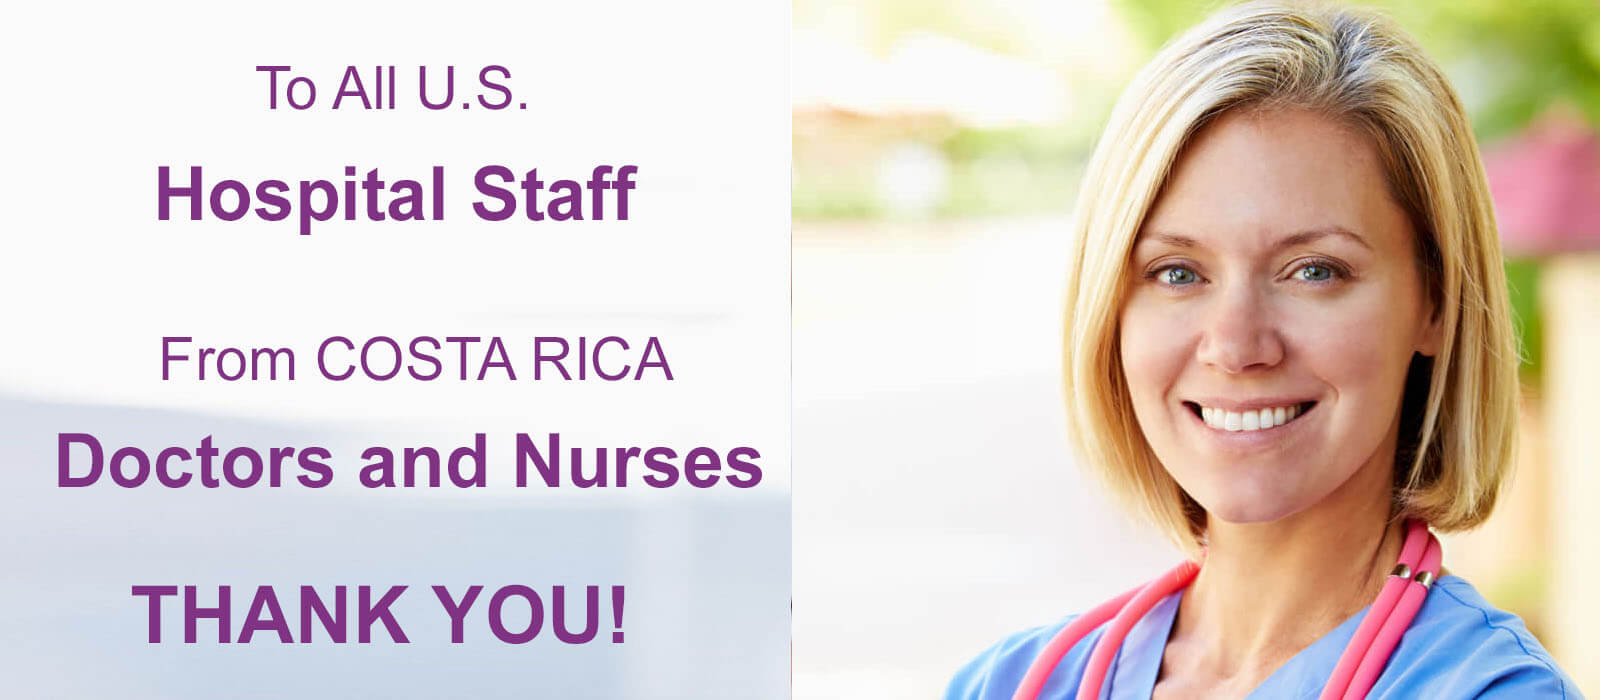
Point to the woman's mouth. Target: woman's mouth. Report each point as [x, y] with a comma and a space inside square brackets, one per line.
[1251, 420]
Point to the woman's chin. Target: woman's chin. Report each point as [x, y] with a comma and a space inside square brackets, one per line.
[1246, 511]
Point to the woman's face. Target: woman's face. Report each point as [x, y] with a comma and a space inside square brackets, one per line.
[1273, 307]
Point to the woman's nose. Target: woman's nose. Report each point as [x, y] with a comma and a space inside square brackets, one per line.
[1239, 333]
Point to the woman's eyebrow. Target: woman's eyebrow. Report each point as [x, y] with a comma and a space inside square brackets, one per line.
[1171, 239]
[1309, 235]
[1295, 239]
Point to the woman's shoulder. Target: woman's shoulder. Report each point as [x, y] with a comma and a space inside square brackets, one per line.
[995, 673]
[1461, 646]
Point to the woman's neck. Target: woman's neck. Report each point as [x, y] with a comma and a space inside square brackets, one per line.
[1268, 590]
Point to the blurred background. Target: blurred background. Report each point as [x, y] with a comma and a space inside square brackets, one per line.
[937, 148]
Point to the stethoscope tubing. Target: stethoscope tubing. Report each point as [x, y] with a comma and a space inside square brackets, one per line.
[1064, 640]
[1395, 626]
[1361, 644]
[1358, 668]
[1105, 650]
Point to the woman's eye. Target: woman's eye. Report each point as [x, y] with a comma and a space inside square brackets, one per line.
[1178, 275]
[1317, 272]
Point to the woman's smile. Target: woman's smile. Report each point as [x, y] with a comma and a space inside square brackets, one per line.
[1243, 427]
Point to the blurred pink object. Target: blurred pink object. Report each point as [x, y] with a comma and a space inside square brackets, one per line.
[1546, 187]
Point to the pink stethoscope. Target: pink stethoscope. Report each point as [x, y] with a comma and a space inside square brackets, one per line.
[1363, 659]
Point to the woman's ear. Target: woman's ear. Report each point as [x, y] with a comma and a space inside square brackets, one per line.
[1430, 337]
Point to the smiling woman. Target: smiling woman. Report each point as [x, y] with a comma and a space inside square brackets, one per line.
[1289, 346]
[1274, 274]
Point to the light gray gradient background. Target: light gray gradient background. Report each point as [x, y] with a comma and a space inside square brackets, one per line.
[105, 93]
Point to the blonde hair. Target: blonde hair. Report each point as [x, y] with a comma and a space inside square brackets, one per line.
[1459, 414]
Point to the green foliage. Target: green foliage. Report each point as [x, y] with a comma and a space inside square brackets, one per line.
[1522, 275]
[1156, 21]
[991, 172]
[1511, 61]
[1530, 56]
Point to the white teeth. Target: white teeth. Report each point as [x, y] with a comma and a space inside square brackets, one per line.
[1261, 419]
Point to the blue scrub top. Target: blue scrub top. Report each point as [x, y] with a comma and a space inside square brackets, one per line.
[1458, 646]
